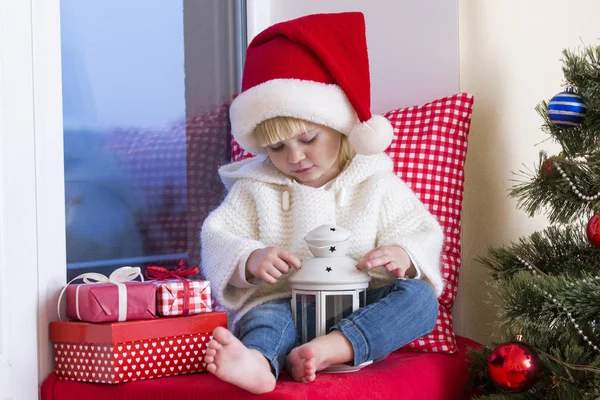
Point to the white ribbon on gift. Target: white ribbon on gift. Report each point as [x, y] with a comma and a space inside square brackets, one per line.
[118, 277]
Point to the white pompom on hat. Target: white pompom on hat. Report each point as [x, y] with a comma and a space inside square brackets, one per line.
[314, 68]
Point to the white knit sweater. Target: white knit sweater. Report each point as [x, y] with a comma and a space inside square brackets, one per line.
[367, 199]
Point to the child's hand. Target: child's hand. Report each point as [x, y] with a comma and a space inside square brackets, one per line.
[270, 263]
[394, 258]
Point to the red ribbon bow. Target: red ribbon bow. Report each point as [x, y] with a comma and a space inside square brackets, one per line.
[160, 273]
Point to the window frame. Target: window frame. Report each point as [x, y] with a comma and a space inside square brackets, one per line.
[49, 160]
[32, 197]
[32, 249]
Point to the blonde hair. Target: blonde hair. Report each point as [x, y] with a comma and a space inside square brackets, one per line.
[277, 129]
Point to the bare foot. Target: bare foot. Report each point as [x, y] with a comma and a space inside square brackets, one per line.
[304, 361]
[231, 361]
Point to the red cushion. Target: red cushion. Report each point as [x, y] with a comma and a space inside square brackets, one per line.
[400, 376]
[429, 150]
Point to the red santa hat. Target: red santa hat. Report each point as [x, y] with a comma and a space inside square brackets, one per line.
[314, 68]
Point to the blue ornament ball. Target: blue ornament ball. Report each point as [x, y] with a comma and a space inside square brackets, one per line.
[567, 109]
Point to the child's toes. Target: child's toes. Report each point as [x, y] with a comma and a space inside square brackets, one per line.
[212, 368]
[211, 352]
[309, 366]
[213, 344]
[222, 335]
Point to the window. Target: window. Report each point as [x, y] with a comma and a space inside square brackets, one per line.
[146, 87]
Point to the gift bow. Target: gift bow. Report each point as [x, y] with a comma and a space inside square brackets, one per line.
[160, 273]
[117, 277]
[123, 274]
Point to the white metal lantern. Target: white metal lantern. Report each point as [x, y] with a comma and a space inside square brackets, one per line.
[328, 287]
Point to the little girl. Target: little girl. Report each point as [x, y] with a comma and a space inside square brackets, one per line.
[304, 111]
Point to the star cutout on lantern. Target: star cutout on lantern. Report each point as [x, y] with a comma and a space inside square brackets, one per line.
[328, 269]
[332, 249]
[332, 229]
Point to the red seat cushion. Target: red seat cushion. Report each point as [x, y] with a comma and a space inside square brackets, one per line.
[401, 375]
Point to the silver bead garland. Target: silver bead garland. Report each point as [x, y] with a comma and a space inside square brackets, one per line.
[574, 188]
[534, 271]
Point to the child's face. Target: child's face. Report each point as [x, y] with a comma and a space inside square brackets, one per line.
[309, 157]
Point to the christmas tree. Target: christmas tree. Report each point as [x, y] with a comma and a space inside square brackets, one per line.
[548, 284]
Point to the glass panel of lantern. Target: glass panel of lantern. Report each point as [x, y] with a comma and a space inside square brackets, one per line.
[306, 316]
[362, 299]
[337, 307]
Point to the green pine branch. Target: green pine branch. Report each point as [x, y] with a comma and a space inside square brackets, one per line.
[545, 281]
[582, 70]
[557, 250]
[527, 310]
[543, 189]
[566, 267]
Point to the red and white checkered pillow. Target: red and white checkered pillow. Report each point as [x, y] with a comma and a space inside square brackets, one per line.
[429, 150]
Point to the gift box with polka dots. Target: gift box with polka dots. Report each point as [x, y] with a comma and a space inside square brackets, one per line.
[133, 350]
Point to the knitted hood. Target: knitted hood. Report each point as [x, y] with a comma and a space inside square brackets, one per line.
[261, 169]
[257, 168]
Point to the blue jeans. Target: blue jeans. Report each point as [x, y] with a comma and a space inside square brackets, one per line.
[394, 315]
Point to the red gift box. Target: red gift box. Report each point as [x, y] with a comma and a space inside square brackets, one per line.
[133, 350]
[101, 302]
[180, 296]
[171, 297]
[108, 299]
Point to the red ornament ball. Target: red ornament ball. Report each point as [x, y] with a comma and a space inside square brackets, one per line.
[514, 367]
[593, 230]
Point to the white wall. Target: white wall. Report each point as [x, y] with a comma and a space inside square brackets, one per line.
[509, 59]
[413, 44]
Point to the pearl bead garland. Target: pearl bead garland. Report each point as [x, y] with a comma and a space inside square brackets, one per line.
[574, 188]
[534, 271]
